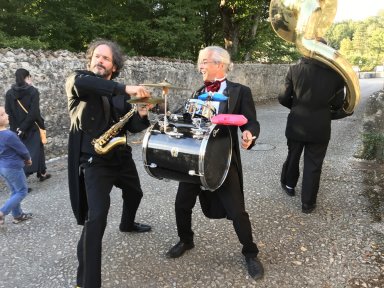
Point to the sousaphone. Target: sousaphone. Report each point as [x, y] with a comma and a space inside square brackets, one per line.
[302, 22]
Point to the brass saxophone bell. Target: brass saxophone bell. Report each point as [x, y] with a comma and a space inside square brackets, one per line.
[110, 139]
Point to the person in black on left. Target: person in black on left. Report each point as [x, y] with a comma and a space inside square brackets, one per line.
[23, 123]
[95, 103]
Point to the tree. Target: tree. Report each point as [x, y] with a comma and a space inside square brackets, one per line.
[376, 44]
[162, 28]
[366, 47]
[18, 27]
[241, 21]
[174, 29]
[338, 32]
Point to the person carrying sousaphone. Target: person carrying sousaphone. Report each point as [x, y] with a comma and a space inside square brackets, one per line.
[314, 94]
[228, 200]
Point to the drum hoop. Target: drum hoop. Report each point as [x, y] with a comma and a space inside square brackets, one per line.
[203, 147]
[202, 157]
[147, 134]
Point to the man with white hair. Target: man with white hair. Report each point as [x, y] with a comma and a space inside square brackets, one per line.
[228, 200]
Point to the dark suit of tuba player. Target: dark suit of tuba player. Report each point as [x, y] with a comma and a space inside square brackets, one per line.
[312, 91]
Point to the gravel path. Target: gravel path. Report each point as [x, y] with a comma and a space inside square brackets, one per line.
[340, 245]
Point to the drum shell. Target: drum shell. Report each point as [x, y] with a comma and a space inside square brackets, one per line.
[174, 158]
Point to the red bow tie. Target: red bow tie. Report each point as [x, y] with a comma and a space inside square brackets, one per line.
[213, 86]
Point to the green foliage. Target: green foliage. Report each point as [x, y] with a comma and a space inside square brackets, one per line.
[272, 49]
[244, 21]
[23, 41]
[339, 32]
[373, 147]
[174, 29]
[17, 27]
[361, 42]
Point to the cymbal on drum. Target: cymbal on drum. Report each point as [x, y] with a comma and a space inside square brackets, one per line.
[146, 100]
[164, 84]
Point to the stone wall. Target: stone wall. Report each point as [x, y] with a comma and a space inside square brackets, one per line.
[49, 70]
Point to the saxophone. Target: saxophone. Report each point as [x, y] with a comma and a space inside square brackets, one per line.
[108, 140]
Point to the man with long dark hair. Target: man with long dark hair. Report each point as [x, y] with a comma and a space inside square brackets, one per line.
[95, 103]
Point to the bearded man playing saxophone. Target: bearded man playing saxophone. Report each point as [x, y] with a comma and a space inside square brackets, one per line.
[95, 103]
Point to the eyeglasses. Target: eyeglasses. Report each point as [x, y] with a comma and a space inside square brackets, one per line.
[204, 63]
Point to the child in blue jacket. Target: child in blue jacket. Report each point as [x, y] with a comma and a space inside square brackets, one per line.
[13, 156]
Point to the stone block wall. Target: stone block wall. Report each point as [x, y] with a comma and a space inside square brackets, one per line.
[49, 70]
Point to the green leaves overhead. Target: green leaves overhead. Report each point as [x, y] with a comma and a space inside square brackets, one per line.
[163, 28]
[173, 29]
[361, 42]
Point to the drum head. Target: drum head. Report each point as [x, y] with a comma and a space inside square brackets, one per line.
[216, 157]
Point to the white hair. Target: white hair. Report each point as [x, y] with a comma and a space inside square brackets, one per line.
[218, 54]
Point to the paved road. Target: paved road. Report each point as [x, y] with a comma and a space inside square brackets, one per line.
[339, 245]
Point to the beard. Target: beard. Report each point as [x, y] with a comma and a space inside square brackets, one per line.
[101, 71]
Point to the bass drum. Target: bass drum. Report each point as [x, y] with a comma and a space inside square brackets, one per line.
[188, 154]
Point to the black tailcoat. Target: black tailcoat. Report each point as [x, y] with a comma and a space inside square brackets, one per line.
[312, 91]
[89, 104]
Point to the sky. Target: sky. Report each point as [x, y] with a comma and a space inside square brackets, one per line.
[357, 9]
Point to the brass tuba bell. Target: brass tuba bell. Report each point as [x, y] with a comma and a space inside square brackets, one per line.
[302, 22]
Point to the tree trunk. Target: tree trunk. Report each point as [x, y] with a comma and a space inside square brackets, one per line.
[230, 29]
[255, 20]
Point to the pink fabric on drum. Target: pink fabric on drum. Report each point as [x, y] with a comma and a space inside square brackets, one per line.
[229, 119]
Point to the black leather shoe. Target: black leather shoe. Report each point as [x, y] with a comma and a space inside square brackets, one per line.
[255, 268]
[179, 249]
[308, 208]
[290, 191]
[137, 227]
[44, 177]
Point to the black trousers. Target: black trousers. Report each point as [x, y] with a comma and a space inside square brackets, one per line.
[314, 154]
[100, 176]
[36, 149]
[232, 199]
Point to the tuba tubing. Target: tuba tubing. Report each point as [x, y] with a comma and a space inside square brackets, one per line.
[301, 22]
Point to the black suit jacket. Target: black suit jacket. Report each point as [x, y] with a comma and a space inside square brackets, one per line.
[29, 97]
[89, 104]
[312, 91]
